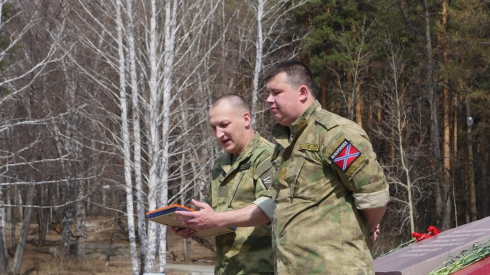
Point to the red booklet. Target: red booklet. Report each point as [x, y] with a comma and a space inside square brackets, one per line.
[165, 216]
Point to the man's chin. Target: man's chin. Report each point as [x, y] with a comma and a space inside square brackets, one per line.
[229, 149]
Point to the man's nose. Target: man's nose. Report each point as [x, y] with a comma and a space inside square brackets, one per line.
[218, 133]
[269, 99]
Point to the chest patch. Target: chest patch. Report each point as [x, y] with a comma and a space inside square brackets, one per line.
[309, 147]
[345, 155]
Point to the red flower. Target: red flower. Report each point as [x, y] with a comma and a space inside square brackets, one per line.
[432, 231]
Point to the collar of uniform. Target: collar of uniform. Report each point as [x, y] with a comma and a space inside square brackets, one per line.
[227, 164]
[300, 124]
[281, 133]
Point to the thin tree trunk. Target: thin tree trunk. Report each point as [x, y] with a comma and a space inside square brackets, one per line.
[80, 229]
[168, 67]
[126, 141]
[21, 245]
[42, 216]
[350, 100]
[183, 178]
[154, 136]
[3, 239]
[259, 44]
[446, 223]
[324, 83]
[466, 182]
[455, 150]
[140, 208]
[67, 222]
[471, 171]
[358, 105]
[183, 182]
[441, 199]
[484, 171]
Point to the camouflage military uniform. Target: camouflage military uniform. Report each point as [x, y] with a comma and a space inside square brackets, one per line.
[235, 185]
[325, 173]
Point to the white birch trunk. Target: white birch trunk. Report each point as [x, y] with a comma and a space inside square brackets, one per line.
[126, 141]
[80, 229]
[21, 245]
[71, 147]
[140, 209]
[259, 44]
[154, 145]
[268, 17]
[3, 239]
[168, 60]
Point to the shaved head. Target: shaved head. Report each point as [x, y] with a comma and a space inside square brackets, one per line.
[229, 117]
[238, 104]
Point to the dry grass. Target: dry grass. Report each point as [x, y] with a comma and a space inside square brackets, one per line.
[38, 261]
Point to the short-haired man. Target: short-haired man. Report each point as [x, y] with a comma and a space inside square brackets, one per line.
[240, 177]
[331, 191]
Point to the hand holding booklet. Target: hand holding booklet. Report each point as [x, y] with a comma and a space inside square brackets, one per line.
[165, 216]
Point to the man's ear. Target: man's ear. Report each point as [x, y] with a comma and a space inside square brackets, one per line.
[247, 118]
[304, 93]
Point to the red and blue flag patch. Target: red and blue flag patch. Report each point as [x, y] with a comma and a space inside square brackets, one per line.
[345, 155]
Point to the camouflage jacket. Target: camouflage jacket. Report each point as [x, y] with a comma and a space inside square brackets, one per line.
[323, 176]
[249, 249]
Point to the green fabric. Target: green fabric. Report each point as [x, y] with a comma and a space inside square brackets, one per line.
[249, 249]
[316, 228]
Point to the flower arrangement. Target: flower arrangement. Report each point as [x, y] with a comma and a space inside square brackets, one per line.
[432, 231]
[467, 257]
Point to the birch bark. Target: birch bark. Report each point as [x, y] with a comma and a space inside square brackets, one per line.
[154, 137]
[21, 245]
[140, 207]
[269, 16]
[126, 140]
[3, 239]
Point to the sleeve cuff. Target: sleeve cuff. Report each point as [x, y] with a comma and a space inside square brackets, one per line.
[266, 205]
[372, 200]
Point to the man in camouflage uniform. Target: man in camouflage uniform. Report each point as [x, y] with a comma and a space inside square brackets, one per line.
[331, 191]
[240, 177]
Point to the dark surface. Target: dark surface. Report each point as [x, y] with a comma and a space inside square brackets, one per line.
[428, 255]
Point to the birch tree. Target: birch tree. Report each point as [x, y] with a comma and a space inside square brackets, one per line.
[402, 124]
[271, 17]
[161, 55]
[20, 72]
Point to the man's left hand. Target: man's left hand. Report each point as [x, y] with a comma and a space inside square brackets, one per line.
[373, 236]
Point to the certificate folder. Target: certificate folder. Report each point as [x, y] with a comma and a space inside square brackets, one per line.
[165, 216]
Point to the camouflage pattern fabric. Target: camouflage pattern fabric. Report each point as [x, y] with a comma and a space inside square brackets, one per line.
[235, 185]
[317, 228]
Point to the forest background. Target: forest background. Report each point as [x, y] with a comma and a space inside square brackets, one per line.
[103, 105]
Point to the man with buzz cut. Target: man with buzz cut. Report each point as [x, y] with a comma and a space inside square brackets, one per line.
[238, 196]
[331, 192]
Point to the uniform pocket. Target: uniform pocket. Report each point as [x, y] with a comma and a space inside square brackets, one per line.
[307, 181]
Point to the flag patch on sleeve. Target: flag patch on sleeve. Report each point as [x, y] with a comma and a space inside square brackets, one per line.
[345, 155]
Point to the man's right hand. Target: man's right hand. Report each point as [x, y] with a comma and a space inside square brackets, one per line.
[184, 233]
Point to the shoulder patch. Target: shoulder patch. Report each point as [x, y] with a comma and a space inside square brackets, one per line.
[264, 171]
[345, 155]
[267, 181]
